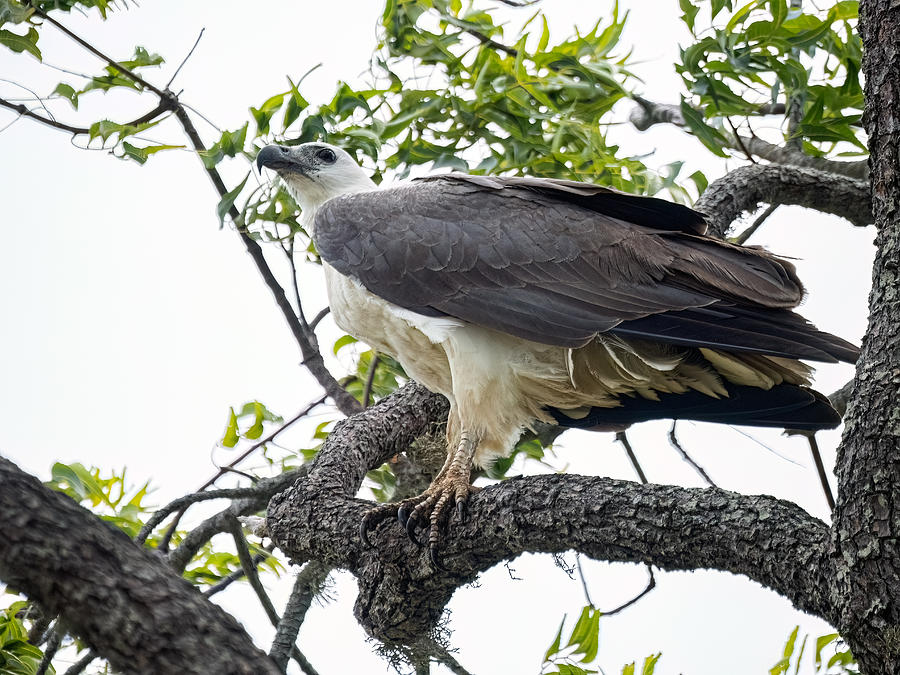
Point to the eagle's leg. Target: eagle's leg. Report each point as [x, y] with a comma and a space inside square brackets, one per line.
[450, 489]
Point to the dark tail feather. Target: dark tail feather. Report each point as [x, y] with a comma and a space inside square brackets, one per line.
[784, 406]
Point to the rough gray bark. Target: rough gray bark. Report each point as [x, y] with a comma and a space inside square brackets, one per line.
[402, 596]
[867, 519]
[126, 603]
[745, 188]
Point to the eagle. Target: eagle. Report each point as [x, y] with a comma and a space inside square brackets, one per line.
[527, 300]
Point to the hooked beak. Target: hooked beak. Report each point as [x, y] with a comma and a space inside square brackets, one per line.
[277, 157]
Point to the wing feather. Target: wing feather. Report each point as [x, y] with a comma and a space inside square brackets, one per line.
[558, 262]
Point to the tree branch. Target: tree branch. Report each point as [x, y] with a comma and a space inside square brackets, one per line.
[745, 188]
[648, 113]
[307, 584]
[401, 596]
[121, 599]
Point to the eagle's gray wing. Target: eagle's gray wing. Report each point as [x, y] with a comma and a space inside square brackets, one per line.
[557, 262]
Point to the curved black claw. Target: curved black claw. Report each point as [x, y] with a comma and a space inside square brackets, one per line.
[461, 510]
[403, 515]
[411, 531]
[433, 556]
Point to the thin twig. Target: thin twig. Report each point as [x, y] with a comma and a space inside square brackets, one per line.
[189, 54]
[251, 572]
[306, 586]
[622, 437]
[182, 502]
[100, 55]
[50, 650]
[25, 112]
[651, 584]
[587, 595]
[318, 317]
[237, 575]
[820, 469]
[742, 238]
[79, 666]
[167, 536]
[674, 442]
[740, 141]
[370, 378]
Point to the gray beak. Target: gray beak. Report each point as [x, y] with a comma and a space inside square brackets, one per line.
[275, 157]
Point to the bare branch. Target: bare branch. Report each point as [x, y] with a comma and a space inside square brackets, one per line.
[158, 625]
[370, 378]
[648, 113]
[746, 187]
[220, 522]
[651, 584]
[306, 586]
[742, 238]
[674, 442]
[667, 526]
[81, 664]
[185, 60]
[622, 437]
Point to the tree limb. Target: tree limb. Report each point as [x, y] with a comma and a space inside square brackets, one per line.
[648, 113]
[118, 597]
[401, 596]
[745, 188]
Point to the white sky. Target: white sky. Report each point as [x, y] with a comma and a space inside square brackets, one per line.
[131, 324]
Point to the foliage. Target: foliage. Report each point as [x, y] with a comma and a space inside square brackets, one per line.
[17, 655]
[768, 52]
[841, 662]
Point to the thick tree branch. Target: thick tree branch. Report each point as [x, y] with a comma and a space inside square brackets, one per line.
[745, 188]
[118, 597]
[401, 596]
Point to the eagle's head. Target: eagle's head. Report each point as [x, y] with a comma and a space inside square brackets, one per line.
[315, 172]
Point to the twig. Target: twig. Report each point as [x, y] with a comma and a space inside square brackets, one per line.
[250, 570]
[312, 358]
[306, 585]
[742, 238]
[820, 469]
[300, 315]
[185, 60]
[79, 666]
[25, 112]
[318, 317]
[587, 595]
[740, 141]
[673, 441]
[622, 437]
[50, 650]
[100, 55]
[167, 536]
[182, 502]
[370, 378]
[651, 584]
[238, 574]
[220, 522]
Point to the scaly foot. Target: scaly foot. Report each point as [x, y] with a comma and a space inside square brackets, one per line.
[449, 491]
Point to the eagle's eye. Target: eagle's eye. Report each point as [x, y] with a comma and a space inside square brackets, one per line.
[326, 155]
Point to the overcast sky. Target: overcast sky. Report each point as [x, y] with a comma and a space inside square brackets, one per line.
[131, 323]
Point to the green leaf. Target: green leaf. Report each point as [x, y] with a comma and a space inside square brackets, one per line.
[230, 439]
[295, 105]
[13, 11]
[67, 92]
[140, 155]
[710, 137]
[628, 670]
[554, 648]
[264, 113]
[690, 13]
[650, 664]
[342, 342]
[21, 43]
[822, 642]
[227, 201]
